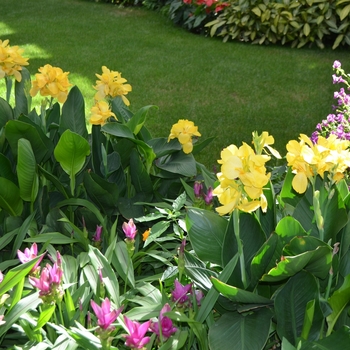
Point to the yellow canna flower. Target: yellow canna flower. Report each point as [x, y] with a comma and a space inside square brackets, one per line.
[308, 160]
[51, 81]
[100, 112]
[242, 180]
[11, 60]
[184, 130]
[111, 84]
[264, 141]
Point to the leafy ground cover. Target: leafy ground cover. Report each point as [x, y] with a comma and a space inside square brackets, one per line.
[224, 88]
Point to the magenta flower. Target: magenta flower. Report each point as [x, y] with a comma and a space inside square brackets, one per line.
[49, 281]
[208, 197]
[180, 292]
[28, 255]
[105, 316]
[136, 338]
[198, 188]
[129, 229]
[97, 236]
[165, 324]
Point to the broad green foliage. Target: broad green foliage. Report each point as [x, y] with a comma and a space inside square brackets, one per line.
[262, 21]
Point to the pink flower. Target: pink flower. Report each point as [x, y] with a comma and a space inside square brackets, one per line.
[179, 294]
[198, 188]
[28, 255]
[129, 229]
[97, 236]
[199, 296]
[1, 276]
[49, 280]
[336, 64]
[1, 320]
[165, 323]
[105, 316]
[208, 197]
[136, 338]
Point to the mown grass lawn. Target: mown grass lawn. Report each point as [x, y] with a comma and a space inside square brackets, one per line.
[228, 90]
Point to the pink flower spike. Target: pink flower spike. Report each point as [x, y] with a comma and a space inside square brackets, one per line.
[97, 236]
[28, 254]
[129, 229]
[165, 323]
[179, 294]
[42, 283]
[136, 338]
[105, 316]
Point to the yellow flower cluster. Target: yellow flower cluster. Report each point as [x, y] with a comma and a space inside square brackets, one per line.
[242, 179]
[11, 60]
[307, 160]
[100, 112]
[184, 130]
[51, 81]
[111, 84]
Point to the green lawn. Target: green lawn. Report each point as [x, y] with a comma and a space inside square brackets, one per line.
[228, 90]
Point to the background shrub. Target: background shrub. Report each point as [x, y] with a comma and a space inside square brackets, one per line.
[262, 21]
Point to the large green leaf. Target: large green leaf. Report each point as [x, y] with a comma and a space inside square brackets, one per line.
[338, 300]
[117, 129]
[321, 259]
[337, 340]
[123, 264]
[332, 209]
[10, 199]
[239, 295]
[20, 95]
[252, 237]
[287, 228]
[26, 171]
[29, 302]
[99, 261]
[291, 303]
[139, 176]
[265, 259]
[206, 231]
[240, 332]
[103, 193]
[71, 152]
[73, 113]
[6, 169]
[178, 163]
[161, 146]
[138, 119]
[6, 112]
[13, 276]
[42, 146]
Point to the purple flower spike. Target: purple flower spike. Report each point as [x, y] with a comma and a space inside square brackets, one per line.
[136, 338]
[179, 294]
[208, 197]
[198, 187]
[97, 236]
[336, 64]
[165, 323]
[337, 80]
[129, 229]
[105, 316]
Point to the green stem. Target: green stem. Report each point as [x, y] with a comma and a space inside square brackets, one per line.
[240, 247]
[8, 89]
